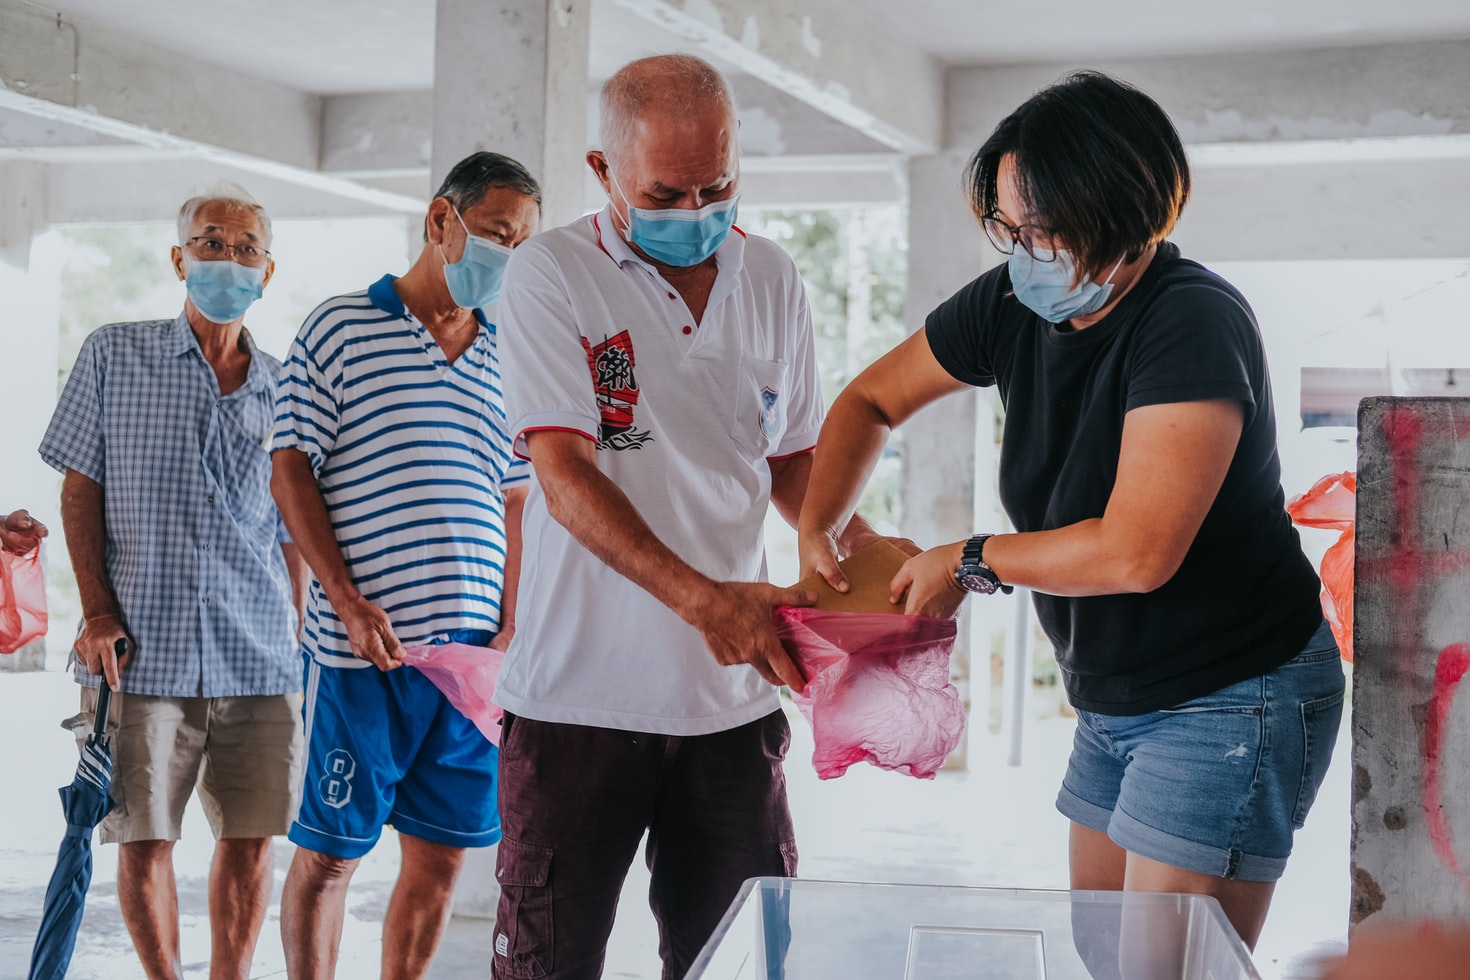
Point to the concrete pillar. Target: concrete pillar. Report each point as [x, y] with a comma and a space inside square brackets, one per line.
[512, 77]
[946, 250]
[1411, 639]
[30, 281]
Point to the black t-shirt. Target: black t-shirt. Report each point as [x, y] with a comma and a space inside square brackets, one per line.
[1244, 601]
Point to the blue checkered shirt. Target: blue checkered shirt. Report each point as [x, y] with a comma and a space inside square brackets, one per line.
[192, 531]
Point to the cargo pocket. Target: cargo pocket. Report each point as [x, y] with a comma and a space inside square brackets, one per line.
[523, 937]
[788, 858]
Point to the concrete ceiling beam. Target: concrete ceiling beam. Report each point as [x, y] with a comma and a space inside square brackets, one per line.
[1386, 91]
[822, 53]
[74, 194]
[72, 77]
[378, 134]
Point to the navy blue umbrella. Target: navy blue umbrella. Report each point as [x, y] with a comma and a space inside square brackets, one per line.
[85, 802]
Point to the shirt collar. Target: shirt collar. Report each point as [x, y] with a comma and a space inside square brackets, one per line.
[382, 295]
[180, 339]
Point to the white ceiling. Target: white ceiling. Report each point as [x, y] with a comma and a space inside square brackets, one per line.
[976, 32]
[342, 46]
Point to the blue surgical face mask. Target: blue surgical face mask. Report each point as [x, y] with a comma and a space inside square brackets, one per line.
[474, 281]
[1046, 287]
[676, 236]
[222, 290]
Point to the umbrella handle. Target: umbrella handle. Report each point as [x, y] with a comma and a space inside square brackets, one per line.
[104, 692]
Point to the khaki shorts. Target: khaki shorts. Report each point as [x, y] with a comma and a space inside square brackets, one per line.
[244, 754]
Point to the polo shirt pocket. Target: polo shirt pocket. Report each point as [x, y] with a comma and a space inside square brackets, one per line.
[760, 404]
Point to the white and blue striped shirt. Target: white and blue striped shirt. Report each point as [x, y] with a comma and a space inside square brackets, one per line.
[192, 532]
[412, 457]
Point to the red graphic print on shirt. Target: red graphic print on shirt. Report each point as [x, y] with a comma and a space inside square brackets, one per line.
[611, 363]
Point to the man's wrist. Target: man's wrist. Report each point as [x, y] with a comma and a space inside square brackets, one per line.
[857, 535]
[697, 594]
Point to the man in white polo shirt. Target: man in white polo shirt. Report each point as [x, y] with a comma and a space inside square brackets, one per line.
[661, 377]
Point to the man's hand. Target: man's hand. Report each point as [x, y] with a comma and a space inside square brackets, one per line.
[927, 584]
[502, 639]
[735, 621]
[370, 633]
[21, 533]
[96, 648]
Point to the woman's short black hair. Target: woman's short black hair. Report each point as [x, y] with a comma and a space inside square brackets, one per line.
[1098, 163]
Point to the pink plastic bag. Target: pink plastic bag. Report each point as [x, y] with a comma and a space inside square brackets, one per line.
[22, 599]
[466, 675]
[1332, 504]
[877, 688]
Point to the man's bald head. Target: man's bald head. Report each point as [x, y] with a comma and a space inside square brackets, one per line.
[669, 84]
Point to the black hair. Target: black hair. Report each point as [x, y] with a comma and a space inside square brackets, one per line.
[1097, 162]
[468, 180]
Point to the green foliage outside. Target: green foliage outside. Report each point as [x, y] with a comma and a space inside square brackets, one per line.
[112, 274]
[855, 265]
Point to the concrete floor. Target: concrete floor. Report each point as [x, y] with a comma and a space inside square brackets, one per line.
[991, 825]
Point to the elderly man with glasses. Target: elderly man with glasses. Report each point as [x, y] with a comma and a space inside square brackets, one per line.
[187, 584]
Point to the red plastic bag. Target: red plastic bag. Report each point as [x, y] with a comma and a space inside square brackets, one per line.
[22, 599]
[1332, 503]
[466, 675]
[877, 690]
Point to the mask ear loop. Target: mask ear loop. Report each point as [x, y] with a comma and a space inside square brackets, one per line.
[1114, 271]
[627, 205]
[467, 236]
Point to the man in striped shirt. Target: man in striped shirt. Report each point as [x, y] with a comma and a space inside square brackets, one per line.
[394, 472]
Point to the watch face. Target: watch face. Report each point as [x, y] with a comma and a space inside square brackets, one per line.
[973, 580]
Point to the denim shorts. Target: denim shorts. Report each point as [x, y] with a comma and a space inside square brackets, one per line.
[1216, 785]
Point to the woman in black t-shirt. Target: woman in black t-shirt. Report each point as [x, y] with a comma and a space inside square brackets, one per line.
[1139, 467]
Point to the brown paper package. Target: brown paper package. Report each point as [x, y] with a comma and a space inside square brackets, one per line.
[869, 572]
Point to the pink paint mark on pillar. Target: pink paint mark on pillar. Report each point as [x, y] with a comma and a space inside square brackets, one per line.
[1449, 670]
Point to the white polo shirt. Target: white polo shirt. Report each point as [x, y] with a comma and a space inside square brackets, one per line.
[685, 416]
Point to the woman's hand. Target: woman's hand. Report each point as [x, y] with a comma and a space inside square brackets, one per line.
[817, 552]
[926, 582]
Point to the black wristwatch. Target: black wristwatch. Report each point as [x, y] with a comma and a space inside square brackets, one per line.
[973, 574]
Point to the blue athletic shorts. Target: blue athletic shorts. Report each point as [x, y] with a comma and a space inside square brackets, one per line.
[1217, 785]
[389, 748]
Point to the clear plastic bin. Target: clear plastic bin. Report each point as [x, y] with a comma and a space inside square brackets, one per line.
[795, 929]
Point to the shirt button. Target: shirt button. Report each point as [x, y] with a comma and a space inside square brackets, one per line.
[204, 599]
[209, 499]
[673, 296]
[688, 330]
[206, 547]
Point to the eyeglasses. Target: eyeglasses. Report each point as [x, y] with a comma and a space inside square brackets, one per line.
[211, 249]
[1036, 240]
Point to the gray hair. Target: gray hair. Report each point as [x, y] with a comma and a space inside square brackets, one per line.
[467, 181]
[228, 193]
[678, 83]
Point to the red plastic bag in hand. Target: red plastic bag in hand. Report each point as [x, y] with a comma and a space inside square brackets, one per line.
[466, 675]
[1332, 503]
[877, 688]
[22, 599]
